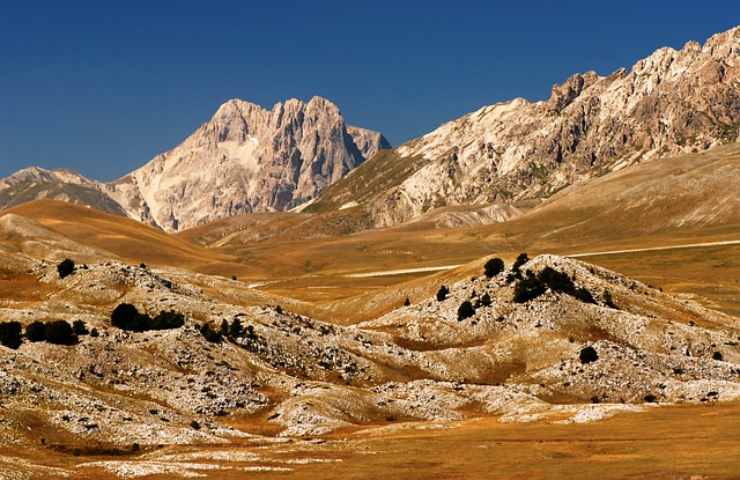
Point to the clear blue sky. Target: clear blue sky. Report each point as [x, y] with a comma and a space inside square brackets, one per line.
[101, 89]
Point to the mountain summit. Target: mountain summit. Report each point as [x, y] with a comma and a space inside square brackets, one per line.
[244, 159]
[674, 101]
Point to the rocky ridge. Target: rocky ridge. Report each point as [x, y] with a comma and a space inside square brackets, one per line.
[673, 101]
[518, 361]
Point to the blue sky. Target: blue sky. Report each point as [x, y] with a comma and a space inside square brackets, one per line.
[101, 89]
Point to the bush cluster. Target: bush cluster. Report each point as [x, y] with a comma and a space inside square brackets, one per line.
[211, 335]
[126, 317]
[58, 332]
[535, 285]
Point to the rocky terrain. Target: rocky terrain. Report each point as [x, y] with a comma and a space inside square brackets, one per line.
[244, 159]
[562, 354]
[671, 102]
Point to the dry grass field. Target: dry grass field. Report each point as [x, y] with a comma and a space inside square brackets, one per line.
[682, 443]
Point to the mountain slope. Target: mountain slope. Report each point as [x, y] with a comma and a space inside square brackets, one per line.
[244, 159]
[670, 102]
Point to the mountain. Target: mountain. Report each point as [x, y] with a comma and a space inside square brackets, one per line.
[674, 101]
[35, 183]
[244, 159]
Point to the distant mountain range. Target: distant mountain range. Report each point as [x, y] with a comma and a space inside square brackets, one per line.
[496, 159]
[244, 159]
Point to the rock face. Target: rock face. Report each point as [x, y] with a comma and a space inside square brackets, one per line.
[244, 159]
[671, 102]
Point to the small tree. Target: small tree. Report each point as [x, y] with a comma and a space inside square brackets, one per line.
[66, 268]
[485, 300]
[36, 331]
[609, 300]
[588, 355]
[493, 267]
[210, 334]
[442, 293]
[520, 261]
[79, 327]
[236, 329]
[126, 317]
[407, 302]
[60, 332]
[465, 310]
[528, 289]
[168, 320]
[10, 334]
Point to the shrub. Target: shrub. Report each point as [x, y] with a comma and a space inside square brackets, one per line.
[10, 334]
[126, 317]
[195, 425]
[528, 289]
[465, 310]
[609, 301]
[588, 355]
[584, 295]
[210, 334]
[167, 320]
[36, 331]
[236, 329]
[557, 281]
[717, 356]
[442, 293]
[493, 267]
[650, 398]
[224, 328]
[94, 332]
[407, 302]
[520, 260]
[66, 268]
[485, 300]
[233, 277]
[79, 327]
[60, 332]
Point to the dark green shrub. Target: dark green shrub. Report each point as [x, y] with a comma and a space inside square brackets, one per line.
[66, 268]
[442, 293]
[235, 329]
[94, 332]
[485, 300]
[493, 267]
[557, 281]
[650, 398]
[584, 295]
[528, 289]
[79, 327]
[609, 301]
[59, 332]
[210, 334]
[36, 331]
[224, 328]
[465, 310]
[167, 320]
[195, 425]
[520, 260]
[588, 355]
[717, 356]
[407, 302]
[126, 317]
[10, 334]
